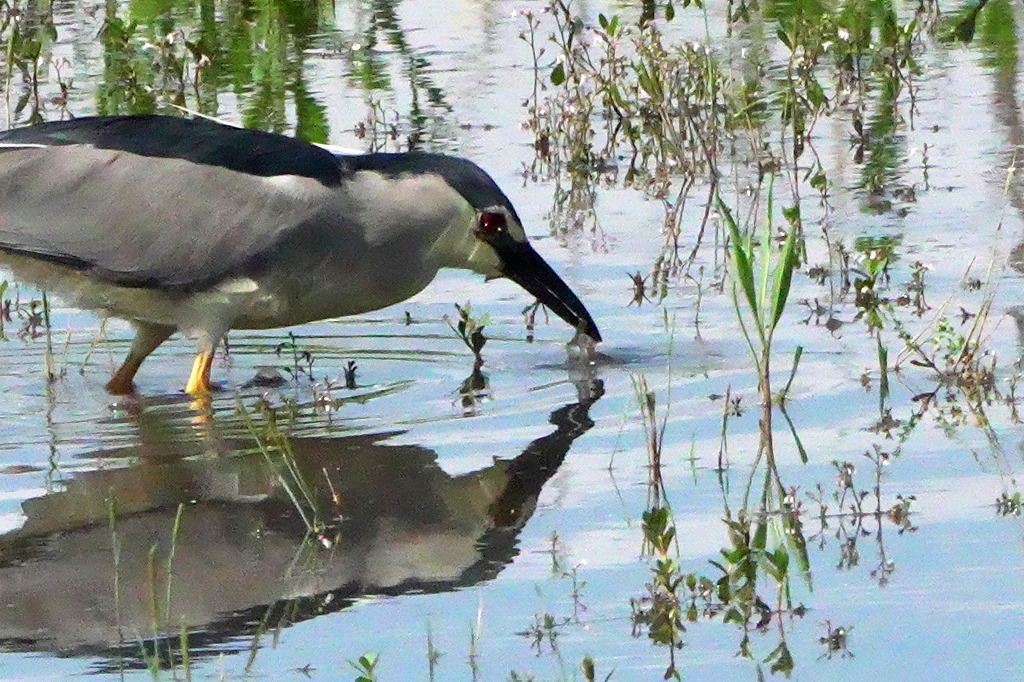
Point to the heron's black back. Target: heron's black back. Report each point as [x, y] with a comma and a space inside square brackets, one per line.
[253, 152]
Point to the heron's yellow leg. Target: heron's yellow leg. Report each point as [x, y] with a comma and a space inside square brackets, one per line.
[199, 381]
[147, 339]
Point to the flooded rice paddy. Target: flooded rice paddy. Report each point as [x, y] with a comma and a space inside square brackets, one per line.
[544, 515]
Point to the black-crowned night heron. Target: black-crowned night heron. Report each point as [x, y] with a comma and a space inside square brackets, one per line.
[179, 224]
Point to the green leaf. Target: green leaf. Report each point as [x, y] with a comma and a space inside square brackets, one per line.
[782, 660]
[785, 39]
[558, 74]
[792, 214]
[760, 537]
[588, 668]
[783, 277]
[798, 550]
[22, 102]
[780, 559]
[646, 82]
[796, 438]
[668, 537]
[819, 181]
[724, 590]
[744, 268]
[31, 49]
[149, 10]
[815, 93]
[655, 524]
[883, 369]
[766, 249]
[670, 12]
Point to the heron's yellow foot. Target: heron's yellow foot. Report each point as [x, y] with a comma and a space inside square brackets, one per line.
[199, 381]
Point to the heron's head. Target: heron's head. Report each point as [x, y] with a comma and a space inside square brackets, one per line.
[471, 223]
[492, 242]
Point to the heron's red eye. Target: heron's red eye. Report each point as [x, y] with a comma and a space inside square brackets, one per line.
[490, 224]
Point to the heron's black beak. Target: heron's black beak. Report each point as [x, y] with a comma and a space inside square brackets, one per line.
[524, 266]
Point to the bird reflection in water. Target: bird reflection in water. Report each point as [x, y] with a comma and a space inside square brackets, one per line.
[242, 559]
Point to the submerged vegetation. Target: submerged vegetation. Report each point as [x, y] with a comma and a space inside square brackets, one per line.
[774, 144]
[729, 123]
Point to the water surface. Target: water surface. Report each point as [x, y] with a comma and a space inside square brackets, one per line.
[496, 519]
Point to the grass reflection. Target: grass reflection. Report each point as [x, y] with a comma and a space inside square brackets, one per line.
[204, 54]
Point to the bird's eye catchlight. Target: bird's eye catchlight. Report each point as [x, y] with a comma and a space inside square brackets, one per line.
[490, 224]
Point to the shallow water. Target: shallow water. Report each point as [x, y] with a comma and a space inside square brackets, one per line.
[466, 518]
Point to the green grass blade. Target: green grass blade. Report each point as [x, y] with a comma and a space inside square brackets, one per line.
[744, 267]
[783, 277]
[796, 438]
[883, 371]
[766, 246]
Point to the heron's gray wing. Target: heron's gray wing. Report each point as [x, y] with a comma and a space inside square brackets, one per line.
[162, 221]
[198, 141]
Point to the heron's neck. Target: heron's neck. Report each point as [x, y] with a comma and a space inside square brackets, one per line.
[456, 247]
